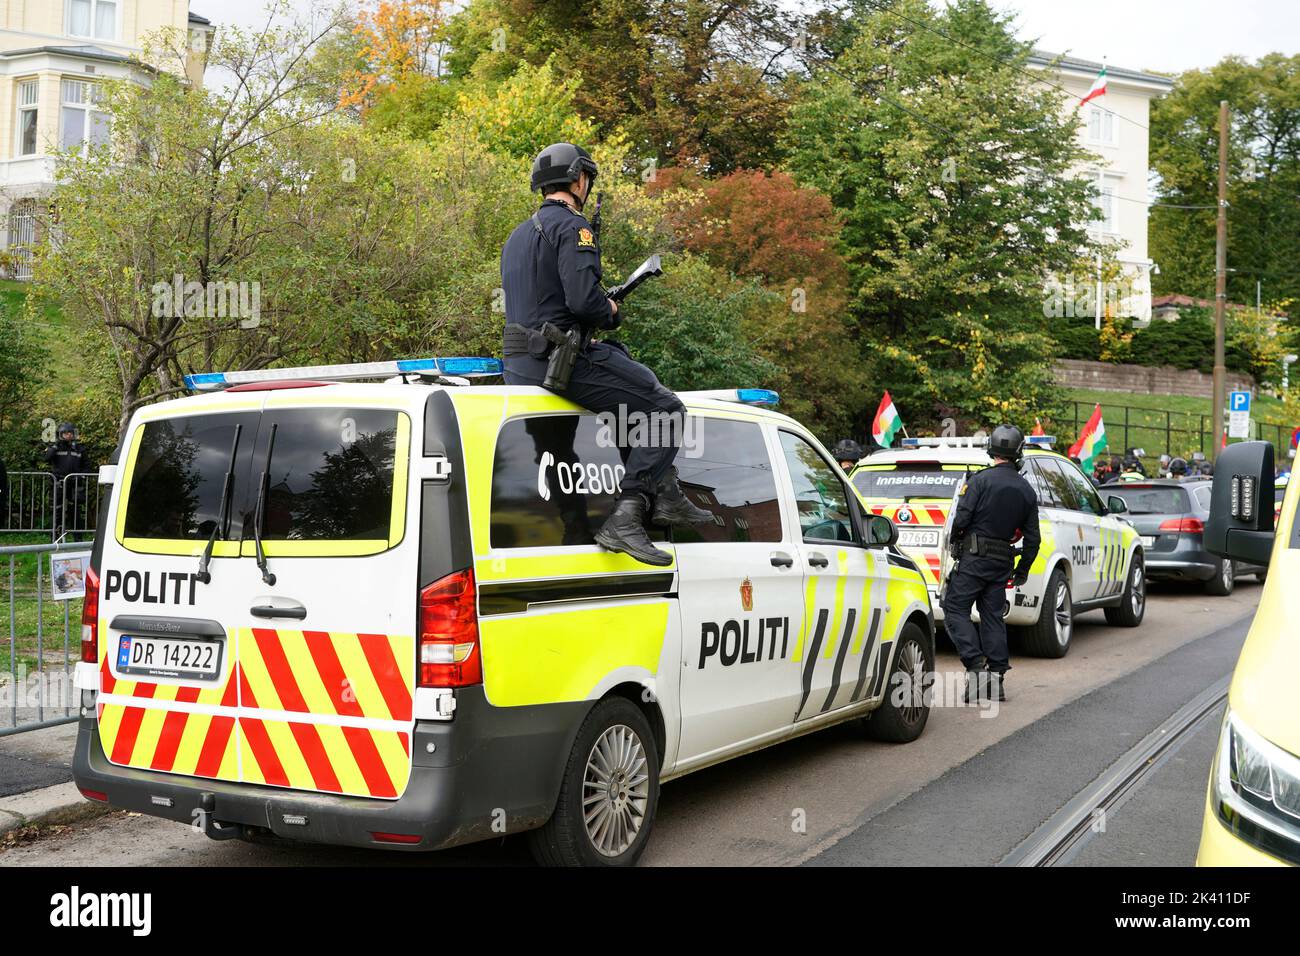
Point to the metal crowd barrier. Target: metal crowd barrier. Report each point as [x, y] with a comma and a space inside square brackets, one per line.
[40, 504]
[44, 642]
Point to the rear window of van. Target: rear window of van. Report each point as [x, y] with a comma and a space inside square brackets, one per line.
[333, 476]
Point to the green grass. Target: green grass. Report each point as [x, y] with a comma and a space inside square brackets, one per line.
[1160, 422]
[28, 611]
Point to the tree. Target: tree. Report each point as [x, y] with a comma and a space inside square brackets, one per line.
[22, 365]
[953, 175]
[1263, 182]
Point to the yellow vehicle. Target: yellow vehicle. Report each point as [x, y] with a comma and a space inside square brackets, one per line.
[1252, 809]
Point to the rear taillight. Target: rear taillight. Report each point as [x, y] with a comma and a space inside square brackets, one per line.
[408, 839]
[1183, 525]
[90, 619]
[449, 648]
[94, 795]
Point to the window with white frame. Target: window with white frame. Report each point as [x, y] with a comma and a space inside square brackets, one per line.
[1102, 126]
[1107, 220]
[82, 121]
[93, 18]
[29, 92]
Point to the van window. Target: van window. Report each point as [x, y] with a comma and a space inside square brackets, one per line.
[336, 474]
[180, 469]
[331, 474]
[820, 495]
[729, 473]
[919, 480]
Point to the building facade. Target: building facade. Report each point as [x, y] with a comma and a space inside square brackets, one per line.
[1115, 129]
[53, 55]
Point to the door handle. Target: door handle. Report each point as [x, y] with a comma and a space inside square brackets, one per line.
[267, 610]
[818, 560]
[782, 560]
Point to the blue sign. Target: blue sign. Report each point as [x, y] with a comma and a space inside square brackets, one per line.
[1239, 401]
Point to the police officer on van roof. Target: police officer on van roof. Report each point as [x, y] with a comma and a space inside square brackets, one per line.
[550, 273]
[847, 452]
[992, 507]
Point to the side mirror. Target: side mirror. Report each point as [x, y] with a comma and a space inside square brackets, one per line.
[881, 532]
[1241, 504]
[1116, 505]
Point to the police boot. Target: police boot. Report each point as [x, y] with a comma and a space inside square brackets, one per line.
[624, 531]
[673, 507]
[996, 689]
[976, 686]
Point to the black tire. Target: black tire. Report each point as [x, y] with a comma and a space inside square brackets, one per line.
[902, 721]
[1044, 638]
[1133, 603]
[1224, 580]
[564, 840]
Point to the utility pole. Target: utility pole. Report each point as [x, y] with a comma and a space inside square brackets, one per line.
[1220, 280]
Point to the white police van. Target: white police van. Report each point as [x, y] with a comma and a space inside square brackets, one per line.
[1089, 555]
[372, 613]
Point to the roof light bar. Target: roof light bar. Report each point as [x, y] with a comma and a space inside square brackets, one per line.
[744, 396]
[1044, 441]
[949, 441]
[465, 366]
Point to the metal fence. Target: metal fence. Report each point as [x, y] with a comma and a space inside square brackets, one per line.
[44, 642]
[41, 504]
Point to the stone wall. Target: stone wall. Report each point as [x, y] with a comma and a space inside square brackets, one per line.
[1145, 380]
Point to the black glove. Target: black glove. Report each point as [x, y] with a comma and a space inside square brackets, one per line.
[1020, 577]
[956, 546]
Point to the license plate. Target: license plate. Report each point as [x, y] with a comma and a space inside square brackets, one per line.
[913, 538]
[169, 657]
[1148, 540]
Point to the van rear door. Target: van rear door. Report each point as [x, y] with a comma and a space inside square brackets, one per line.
[302, 677]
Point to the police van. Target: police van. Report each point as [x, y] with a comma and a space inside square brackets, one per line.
[372, 612]
[1089, 556]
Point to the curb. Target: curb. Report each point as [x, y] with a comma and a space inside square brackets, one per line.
[62, 803]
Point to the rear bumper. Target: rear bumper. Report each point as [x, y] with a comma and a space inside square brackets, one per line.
[492, 770]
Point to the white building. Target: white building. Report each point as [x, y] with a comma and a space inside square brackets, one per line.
[52, 52]
[1115, 128]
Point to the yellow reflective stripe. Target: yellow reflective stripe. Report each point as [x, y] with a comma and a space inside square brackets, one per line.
[809, 606]
[191, 745]
[256, 674]
[305, 672]
[549, 563]
[286, 750]
[360, 678]
[110, 722]
[544, 658]
[344, 764]
[841, 579]
[864, 613]
[480, 418]
[146, 739]
[393, 756]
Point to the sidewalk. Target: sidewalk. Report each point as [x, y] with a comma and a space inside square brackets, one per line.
[36, 778]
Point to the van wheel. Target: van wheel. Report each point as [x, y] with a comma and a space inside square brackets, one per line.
[1050, 635]
[609, 792]
[1133, 604]
[902, 721]
[1225, 578]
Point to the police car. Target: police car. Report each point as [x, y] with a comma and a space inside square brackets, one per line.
[1090, 556]
[371, 613]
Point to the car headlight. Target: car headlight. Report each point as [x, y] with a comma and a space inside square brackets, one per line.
[1256, 787]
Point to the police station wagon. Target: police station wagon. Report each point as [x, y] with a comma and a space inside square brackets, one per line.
[372, 613]
[1089, 557]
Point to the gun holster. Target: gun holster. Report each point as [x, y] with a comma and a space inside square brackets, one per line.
[987, 547]
[565, 347]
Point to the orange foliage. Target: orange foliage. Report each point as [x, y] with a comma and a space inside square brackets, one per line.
[399, 39]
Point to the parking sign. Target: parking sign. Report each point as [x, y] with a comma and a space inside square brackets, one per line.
[1239, 414]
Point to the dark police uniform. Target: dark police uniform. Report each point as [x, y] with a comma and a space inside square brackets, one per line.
[550, 272]
[994, 504]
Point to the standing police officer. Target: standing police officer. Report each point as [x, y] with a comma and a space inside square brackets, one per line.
[550, 273]
[66, 457]
[992, 506]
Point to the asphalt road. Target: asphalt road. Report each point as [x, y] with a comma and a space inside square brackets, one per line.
[968, 791]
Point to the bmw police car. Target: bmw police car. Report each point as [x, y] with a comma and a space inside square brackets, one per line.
[1090, 556]
[372, 613]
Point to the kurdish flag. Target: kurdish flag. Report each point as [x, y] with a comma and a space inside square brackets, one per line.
[1092, 440]
[886, 423]
[1097, 89]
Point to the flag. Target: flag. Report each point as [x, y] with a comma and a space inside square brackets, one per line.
[1097, 89]
[886, 423]
[1092, 440]
[1295, 439]
[1038, 428]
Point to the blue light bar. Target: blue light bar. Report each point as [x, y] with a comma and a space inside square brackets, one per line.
[1045, 440]
[465, 366]
[746, 396]
[757, 396]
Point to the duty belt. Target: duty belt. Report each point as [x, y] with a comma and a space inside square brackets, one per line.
[517, 337]
[988, 547]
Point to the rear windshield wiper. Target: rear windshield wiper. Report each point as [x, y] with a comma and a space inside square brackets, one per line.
[223, 512]
[259, 513]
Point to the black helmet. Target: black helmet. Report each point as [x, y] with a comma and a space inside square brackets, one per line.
[1007, 441]
[846, 449]
[67, 427]
[1178, 467]
[560, 164]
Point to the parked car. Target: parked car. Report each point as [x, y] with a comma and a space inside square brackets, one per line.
[1170, 516]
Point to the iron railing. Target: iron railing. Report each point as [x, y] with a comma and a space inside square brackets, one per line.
[39, 503]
